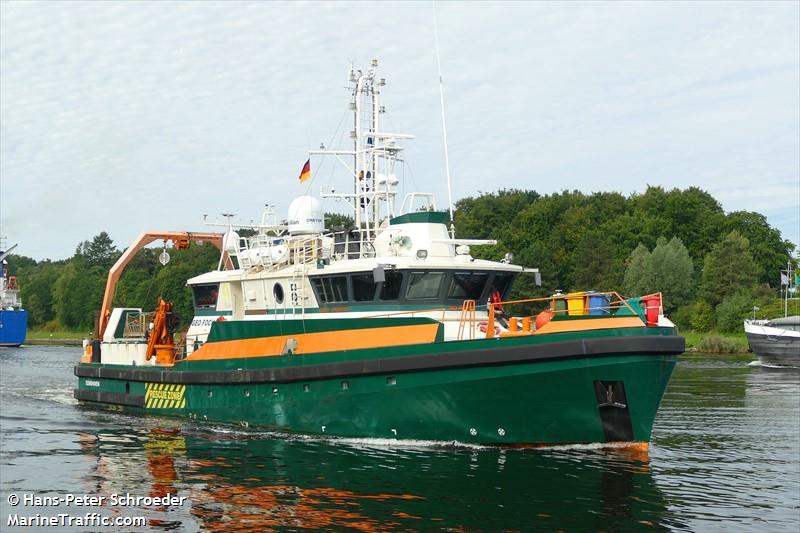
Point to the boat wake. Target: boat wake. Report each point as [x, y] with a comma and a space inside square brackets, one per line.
[408, 444]
[778, 367]
[358, 442]
[59, 396]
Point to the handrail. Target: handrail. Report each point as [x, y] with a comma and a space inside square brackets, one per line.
[612, 304]
[620, 299]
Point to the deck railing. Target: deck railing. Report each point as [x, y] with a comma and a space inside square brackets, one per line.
[526, 324]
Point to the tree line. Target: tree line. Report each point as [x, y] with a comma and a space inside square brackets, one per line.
[67, 293]
[711, 267]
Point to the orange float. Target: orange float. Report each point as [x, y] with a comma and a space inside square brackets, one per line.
[543, 318]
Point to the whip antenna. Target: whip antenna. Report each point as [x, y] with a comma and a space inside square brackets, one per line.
[444, 124]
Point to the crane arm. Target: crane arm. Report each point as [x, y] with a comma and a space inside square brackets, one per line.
[181, 240]
[7, 252]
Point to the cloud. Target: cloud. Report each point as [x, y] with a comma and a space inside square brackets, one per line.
[124, 116]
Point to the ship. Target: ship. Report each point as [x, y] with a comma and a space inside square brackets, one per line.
[389, 329]
[13, 318]
[776, 341]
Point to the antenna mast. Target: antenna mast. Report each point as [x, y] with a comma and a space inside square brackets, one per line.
[374, 154]
[444, 124]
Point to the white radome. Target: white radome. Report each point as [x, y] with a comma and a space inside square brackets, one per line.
[305, 216]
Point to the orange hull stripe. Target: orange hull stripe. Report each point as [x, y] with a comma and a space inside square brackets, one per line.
[558, 326]
[328, 341]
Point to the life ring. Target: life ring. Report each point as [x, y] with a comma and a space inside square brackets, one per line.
[221, 319]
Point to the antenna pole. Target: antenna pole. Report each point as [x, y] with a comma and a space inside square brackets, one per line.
[444, 123]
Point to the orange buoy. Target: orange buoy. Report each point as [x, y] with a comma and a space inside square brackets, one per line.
[543, 318]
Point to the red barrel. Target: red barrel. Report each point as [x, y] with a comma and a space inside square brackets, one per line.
[652, 308]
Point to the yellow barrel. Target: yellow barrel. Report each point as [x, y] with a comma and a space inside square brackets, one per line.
[576, 303]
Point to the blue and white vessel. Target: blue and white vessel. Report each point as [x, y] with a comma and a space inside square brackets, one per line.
[13, 318]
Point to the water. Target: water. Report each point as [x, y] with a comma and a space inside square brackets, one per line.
[725, 457]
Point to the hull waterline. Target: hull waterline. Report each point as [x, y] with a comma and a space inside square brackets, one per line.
[775, 351]
[512, 394]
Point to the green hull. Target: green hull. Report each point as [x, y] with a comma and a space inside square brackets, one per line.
[550, 399]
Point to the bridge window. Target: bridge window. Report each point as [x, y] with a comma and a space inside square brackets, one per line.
[331, 289]
[502, 283]
[424, 285]
[205, 296]
[363, 287]
[390, 288]
[467, 285]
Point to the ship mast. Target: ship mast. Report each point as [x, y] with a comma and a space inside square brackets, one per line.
[374, 155]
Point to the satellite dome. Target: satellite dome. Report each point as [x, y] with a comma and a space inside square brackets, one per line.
[306, 216]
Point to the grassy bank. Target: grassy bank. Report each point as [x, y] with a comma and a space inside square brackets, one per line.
[48, 334]
[715, 342]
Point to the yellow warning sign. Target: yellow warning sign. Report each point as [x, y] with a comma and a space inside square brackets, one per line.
[164, 396]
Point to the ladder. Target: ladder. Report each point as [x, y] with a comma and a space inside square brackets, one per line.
[303, 253]
[467, 317]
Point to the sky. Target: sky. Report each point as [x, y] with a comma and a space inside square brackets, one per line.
[124, 117]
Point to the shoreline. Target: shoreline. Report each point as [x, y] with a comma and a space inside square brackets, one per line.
[52, 342]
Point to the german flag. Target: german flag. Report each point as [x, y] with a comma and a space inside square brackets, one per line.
[306, 172]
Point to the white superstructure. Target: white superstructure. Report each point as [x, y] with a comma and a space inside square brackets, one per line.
[401, 261]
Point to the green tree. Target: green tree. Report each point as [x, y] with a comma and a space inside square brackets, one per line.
[702, 316]
[487, 215]
[37, 293]
[728, 268]
[595, 264]
[77, 293]
[733, 310]
[674, 272]
[667, 269]
[638, 277]
[20, 265]
[695, 217]
[770, 252]
[692, 215]
[100, 251]
[337, 221]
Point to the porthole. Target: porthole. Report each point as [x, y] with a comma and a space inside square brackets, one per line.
[277, 291]
[274, 390]
[305, 388]
[345, 385]
[391, 380]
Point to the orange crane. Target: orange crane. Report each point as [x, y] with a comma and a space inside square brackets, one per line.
[180, 240]
[160, 342]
